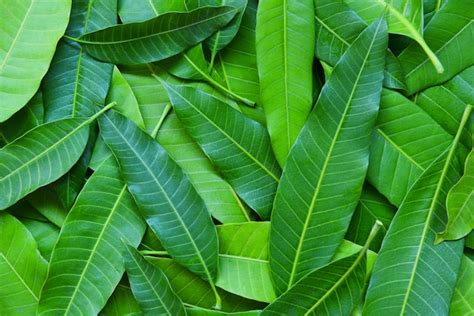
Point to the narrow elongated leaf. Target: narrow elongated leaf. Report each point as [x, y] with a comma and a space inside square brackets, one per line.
[45, 234]
[21, 73]
[449, 35]
[86, 264]
[331, 290]
[209, 312]
[76, 83]
[165, 196]
[121, 303]
[372, 207]
[463, 297]
[195, 291]
[412, 275]
[323, 178]
[157, 38]
[218, 195]
[22, 269]
[238, 146]
[243, 261]
[41, 156]
[285, 69]
[398, 152]
[134, 11]
[150, 286]
[460, 205]
[334, 37]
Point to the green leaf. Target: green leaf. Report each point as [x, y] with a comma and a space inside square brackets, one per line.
[445, 103]
[449, 35]
[335, 37]
[47, 203]
[22, 269]
[21, 72]
[41, 156]
[238, 146]
[323, 178]
[243, 261]
[285, 63]
[164, 196]
[121, 303]
[404, 17]
[405, 142]
[134, 11]
[76, 83]
[86, 264]
[463, 296]
[333, 289]
[195, 291]
[412, 275]
[45, 234]
[221, 200]
[209, 312]
[372, 207]
[150, 286]
[127, 104]
[157, 38]
[460, 205]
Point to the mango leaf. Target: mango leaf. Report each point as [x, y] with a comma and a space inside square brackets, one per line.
[209, 312]
[285, 70]
[157, 38]
[89, 248]
[195, 291]
[372, 207]
[404, 17]
[150, 286]
[243, 261]
[460, 205]
[76, 83]
[22, 269]
[237, 63]
[335, 37]
[239, 147]
[323, 178]
[122, 302]
[399, 153]
[20, 73]
[190, 237]
[463, 296]
[47, 203]
[445, 103]
[330, 290]
[41, 156]
[45, 234]
[449, 35]
[220, 198]
[413, 275]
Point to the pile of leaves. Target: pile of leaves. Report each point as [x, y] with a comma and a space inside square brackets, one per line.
[214, 157]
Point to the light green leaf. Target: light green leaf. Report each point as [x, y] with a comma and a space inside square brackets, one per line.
[134, 11]
[122, 303]
[21, 73]
[45, 234]
[220, 198]
[372, 207]
[22, 269]
[405, 142]
[449, 34]
[41, 156]
[285, 63]
[238, 146]
[460, 205]
[404, 17]
[164, 196]
[86, 264]
[243, 261]
[150, 286]
[209, 312]
[76, 83]
[127, 104]
[412, 275]
[334, 289]
[157, 38]
[463, 297]
[322, 180]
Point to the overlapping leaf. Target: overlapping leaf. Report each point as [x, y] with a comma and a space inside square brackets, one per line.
[323, 178]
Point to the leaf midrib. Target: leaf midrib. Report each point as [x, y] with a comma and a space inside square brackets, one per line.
[326, 163]
[23, 282]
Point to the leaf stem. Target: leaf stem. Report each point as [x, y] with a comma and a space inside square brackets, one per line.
[154, 252]
[162, 119]
[104, 109]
